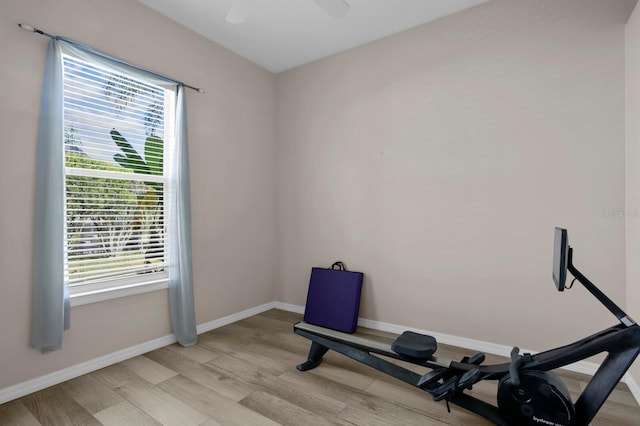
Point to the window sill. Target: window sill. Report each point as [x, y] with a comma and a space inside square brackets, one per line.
[95, 296]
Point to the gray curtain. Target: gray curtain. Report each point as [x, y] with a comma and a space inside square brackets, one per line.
[50, 301]
[181, 301]
[50, 316]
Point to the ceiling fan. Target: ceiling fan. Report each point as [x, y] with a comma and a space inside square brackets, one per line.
[241, 9]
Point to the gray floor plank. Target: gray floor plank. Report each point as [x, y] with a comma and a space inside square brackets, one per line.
[54, 407]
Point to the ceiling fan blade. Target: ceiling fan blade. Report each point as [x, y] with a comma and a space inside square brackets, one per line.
[240, 11]
[335, 8]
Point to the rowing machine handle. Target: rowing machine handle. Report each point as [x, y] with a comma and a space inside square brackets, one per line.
[516, 363]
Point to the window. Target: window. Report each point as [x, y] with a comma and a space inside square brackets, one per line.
[118, 132]
[112, 204]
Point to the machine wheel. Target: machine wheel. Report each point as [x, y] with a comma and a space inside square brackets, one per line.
[541, 398]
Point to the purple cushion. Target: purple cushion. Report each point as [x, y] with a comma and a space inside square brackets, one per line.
[333, 300]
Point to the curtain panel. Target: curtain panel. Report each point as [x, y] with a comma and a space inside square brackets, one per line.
[181, 298]
[50, 300]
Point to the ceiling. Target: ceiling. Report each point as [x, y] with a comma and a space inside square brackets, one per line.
[283, 34]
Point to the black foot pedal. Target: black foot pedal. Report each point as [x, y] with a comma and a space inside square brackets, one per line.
[456, 383]
[431, 377]
[477, 359]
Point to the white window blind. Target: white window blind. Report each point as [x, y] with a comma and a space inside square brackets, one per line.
[118, 131]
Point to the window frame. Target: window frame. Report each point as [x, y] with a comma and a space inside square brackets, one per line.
[100, 290]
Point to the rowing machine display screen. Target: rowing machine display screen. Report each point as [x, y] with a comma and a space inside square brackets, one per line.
[560, 258]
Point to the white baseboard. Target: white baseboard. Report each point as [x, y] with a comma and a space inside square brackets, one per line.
[21, 389]
[289, 307]
[633, 386]
[51, 379]
[229, 319]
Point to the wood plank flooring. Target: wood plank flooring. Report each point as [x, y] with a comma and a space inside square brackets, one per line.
[244, 374]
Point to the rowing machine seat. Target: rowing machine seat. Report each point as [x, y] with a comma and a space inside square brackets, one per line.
[415, 345]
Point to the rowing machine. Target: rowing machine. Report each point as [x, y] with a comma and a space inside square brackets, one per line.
[529, 393]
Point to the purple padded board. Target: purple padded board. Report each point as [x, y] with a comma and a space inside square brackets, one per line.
[333, 300]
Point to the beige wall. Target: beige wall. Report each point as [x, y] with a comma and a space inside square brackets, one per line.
[633, 171]
[232, 137]
[439, 160]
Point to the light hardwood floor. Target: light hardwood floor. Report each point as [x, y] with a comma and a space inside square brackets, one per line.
[244, 374]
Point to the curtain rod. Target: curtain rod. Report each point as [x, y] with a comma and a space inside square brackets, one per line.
[32, 29]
